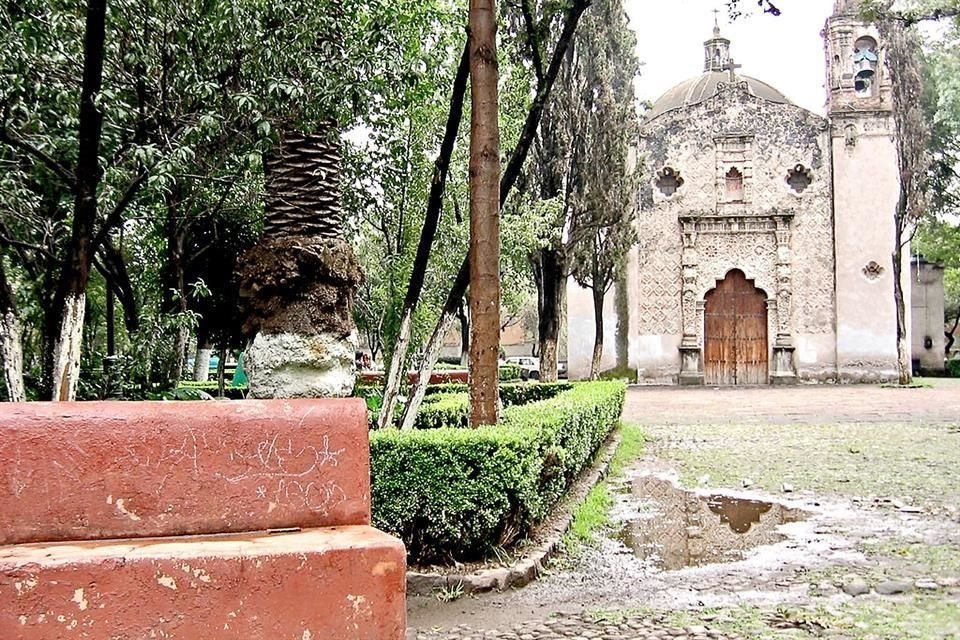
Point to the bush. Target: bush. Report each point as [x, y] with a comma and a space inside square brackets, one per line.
[188, 389]
[456, 493]
[953, 368]
[444, 410]
[509, 372]
[451, 408]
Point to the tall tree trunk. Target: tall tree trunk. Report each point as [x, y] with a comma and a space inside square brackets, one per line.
[484, 214]
[72, 290]
[597, 334]
[176, 294]
[552, 287]
[949, 335]
[507, 182]
[398, 363]
[11, 347]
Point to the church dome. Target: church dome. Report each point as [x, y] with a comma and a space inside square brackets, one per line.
[696, 90]
[718, 67]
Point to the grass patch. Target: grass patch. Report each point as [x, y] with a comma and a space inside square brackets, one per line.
[632, 443]
[923, 617]
[930, 559]
[867, 460]
[593, 514]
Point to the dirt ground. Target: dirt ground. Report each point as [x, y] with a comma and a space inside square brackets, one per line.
[873, 553]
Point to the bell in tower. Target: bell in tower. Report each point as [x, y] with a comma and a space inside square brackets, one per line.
[865, 61]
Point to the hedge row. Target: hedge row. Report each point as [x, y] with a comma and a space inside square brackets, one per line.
[449, 405]
[457, 493]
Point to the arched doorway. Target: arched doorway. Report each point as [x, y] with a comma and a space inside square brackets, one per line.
[735, 333]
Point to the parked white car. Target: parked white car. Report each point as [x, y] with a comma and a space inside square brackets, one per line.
[530, 367]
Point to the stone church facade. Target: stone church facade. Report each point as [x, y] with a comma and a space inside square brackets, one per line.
[765, 230]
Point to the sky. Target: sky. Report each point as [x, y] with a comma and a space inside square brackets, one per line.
[784, 51]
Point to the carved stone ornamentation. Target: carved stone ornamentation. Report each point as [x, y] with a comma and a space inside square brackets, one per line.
[872, 270]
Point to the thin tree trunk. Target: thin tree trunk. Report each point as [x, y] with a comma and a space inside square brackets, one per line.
[552, 274]
[904, 366]
[464, 335]
[398, 362]
[949, 335]
[507, 181]
[111, 340]
[11, 349]
[484, 214]
[221, 371]
[201, 362]
[76, 269]
[597, 334]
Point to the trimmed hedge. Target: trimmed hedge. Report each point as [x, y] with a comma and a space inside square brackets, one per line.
[443, 410]
[953, 368]
[456, 493]
[188, 389]
[451, 408]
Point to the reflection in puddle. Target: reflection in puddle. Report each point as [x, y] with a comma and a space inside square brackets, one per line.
[681, 529]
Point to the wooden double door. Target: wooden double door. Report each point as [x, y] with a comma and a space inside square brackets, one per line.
[735, 333]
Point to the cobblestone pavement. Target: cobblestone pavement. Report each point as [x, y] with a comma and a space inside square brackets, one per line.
[583, 627]
[811, 567]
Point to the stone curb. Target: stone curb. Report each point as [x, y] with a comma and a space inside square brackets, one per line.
[527, 568]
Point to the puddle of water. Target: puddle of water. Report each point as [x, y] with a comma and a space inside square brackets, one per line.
[678, 528]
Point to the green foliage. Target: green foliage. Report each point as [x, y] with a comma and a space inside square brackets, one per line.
[449, 405]
[450, 410]
[591, 515]
[953, 368]
[456, 493]
[509, 372]
[184, 389]
[193, 94]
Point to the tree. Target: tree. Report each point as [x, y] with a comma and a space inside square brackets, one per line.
[484, 214]
[185, 88]
[398, 368]
[562, 21]
[10, 348]
[938, 239]
[912, 135]
[582, 162]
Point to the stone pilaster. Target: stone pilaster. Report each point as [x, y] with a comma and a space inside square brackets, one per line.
[691, 356]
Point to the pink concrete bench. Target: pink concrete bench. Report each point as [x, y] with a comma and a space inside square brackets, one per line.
[193, 520]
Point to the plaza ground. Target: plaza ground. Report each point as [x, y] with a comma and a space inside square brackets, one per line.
[872, 470]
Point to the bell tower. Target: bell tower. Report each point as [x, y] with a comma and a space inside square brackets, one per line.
[865, 191]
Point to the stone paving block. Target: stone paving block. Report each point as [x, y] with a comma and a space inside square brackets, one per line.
[323, 584]
[84, 471]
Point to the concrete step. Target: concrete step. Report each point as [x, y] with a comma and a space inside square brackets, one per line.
[86, 471]
[335, 583]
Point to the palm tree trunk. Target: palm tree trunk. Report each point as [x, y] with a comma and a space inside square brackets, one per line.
[298, 283]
